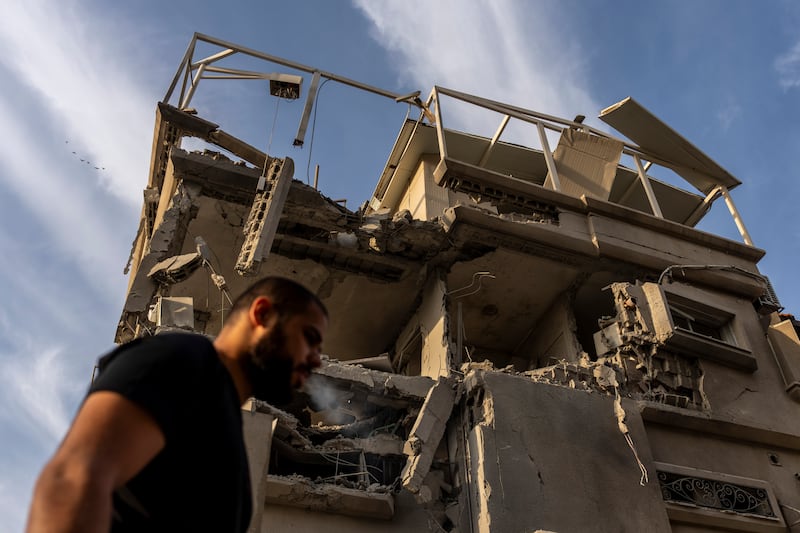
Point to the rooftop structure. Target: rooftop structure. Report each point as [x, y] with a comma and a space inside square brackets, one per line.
[522, 337]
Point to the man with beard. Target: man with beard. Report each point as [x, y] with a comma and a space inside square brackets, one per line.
[157, 444]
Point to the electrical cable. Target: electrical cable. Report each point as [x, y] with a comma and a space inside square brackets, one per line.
[271, 133]
[479, 275]
[667, 271]
[313, 129]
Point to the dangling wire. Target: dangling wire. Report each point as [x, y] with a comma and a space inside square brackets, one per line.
[271, 134]
[477, 279]
[313, 129]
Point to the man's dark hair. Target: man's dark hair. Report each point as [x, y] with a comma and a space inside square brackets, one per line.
[288, 297]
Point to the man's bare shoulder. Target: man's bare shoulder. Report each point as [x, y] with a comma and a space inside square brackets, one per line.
[114, 433]
[109, 442]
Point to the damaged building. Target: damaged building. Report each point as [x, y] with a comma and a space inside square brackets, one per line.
[522, 337]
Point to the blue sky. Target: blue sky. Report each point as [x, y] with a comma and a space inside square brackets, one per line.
[85, 76]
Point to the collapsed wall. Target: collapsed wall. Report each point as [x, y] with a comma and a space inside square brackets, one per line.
[351, 443]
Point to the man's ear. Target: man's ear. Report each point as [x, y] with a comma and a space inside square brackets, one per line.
[261, 311]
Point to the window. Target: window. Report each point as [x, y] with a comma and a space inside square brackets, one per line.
[700, 319]
[714, 499]
[690, 326]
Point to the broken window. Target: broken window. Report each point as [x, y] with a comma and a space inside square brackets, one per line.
[671, 379]
[700, 319]
[692, 327]
[660, 362]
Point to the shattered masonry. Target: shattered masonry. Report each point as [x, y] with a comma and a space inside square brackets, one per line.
[523, 338]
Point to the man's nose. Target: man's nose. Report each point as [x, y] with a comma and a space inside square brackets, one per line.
[315, 361]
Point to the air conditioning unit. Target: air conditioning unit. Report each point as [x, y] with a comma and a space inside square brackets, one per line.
[173, 311]
[768, 302]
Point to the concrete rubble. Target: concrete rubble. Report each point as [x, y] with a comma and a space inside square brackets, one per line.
[373, 436]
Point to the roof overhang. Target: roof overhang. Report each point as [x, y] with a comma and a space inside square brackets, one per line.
[653, 136]
[526, 165]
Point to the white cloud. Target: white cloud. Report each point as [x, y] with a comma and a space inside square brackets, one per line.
[38, 390]
[66, 85]
[500, 50]
[66, 228]
[51, 329]
[12, 503]
[58, 50]
[64, 205]
[788, 67]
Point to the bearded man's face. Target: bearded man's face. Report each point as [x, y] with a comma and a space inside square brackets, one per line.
[270, 368]
[285, 355]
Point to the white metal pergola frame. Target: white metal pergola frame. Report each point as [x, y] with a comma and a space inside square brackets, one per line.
[191, 71]
[544, 122]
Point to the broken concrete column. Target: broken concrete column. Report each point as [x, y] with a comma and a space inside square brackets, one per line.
[257, 429]
[262, 223]
[436, 355]
[167, 239]
[427, 433]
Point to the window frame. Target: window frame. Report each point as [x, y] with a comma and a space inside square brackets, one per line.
[729, 350]
[730, 520]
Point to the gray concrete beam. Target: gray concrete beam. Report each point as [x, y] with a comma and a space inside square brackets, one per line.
[426, 433]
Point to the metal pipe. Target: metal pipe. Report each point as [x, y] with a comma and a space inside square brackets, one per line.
[548, 157]
[309, 105]
[184, 63]
[648, 190]
[439, 124]
[504, 108]
[193, 87]
[735, 214]
[239, 72]
[497, 134]
[214, 57]
[298, 66]
[694, 216]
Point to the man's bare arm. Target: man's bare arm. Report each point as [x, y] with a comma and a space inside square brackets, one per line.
[109, 442]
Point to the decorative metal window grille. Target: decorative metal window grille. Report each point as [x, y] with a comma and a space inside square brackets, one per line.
[714, 494]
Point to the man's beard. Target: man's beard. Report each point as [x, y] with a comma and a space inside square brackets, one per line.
[270, 369]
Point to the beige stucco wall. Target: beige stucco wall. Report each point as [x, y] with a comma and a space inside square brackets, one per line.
[553, 458]
[736, 457]
[413, 198]
[433, 321]
[422, 197]
[758, 397]
[553, 337]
